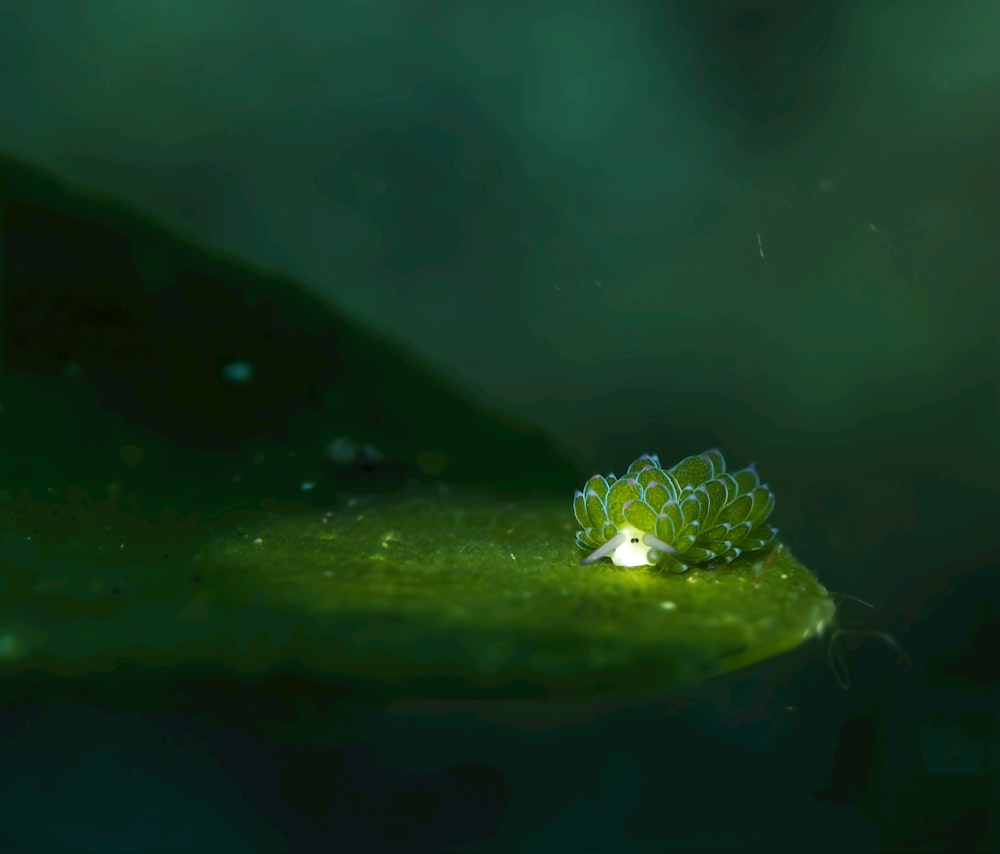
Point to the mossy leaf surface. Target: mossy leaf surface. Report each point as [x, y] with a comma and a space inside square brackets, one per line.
[469, 592]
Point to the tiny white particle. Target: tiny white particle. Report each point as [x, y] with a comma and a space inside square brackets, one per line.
[259, 541]
[667, 605]
[512, 556]
[306, 485]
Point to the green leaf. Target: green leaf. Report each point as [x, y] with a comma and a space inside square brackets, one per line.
[657, 494]
[669, 522]
[649, 475]
[622, 492]
[763, 504]
[598, 485]
[695, 470]
[430, 594]
[640, 515]
[737, 510]
[597, 511]
[644, 462]
[580, 510]
[493, 595]
[746, 480]
[714, 496]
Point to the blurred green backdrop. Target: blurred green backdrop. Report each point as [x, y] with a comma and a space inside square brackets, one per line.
[769, 226]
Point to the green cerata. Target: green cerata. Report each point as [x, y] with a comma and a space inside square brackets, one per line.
[694, 514]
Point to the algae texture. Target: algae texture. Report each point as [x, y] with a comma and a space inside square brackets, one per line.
[429, 593]
[465, 593]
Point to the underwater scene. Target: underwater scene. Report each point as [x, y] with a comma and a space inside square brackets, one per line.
[499, 427]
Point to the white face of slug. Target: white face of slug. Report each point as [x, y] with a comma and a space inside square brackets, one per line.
[633, 552]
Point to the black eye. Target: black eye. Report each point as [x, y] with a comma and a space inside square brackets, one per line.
[635, 539]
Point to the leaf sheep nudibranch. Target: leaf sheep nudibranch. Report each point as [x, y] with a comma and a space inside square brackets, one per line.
[693, 514]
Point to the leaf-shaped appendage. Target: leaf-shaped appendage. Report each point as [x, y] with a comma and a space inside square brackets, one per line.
[693, 514]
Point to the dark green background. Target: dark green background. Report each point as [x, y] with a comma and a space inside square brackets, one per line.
[523, 237]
